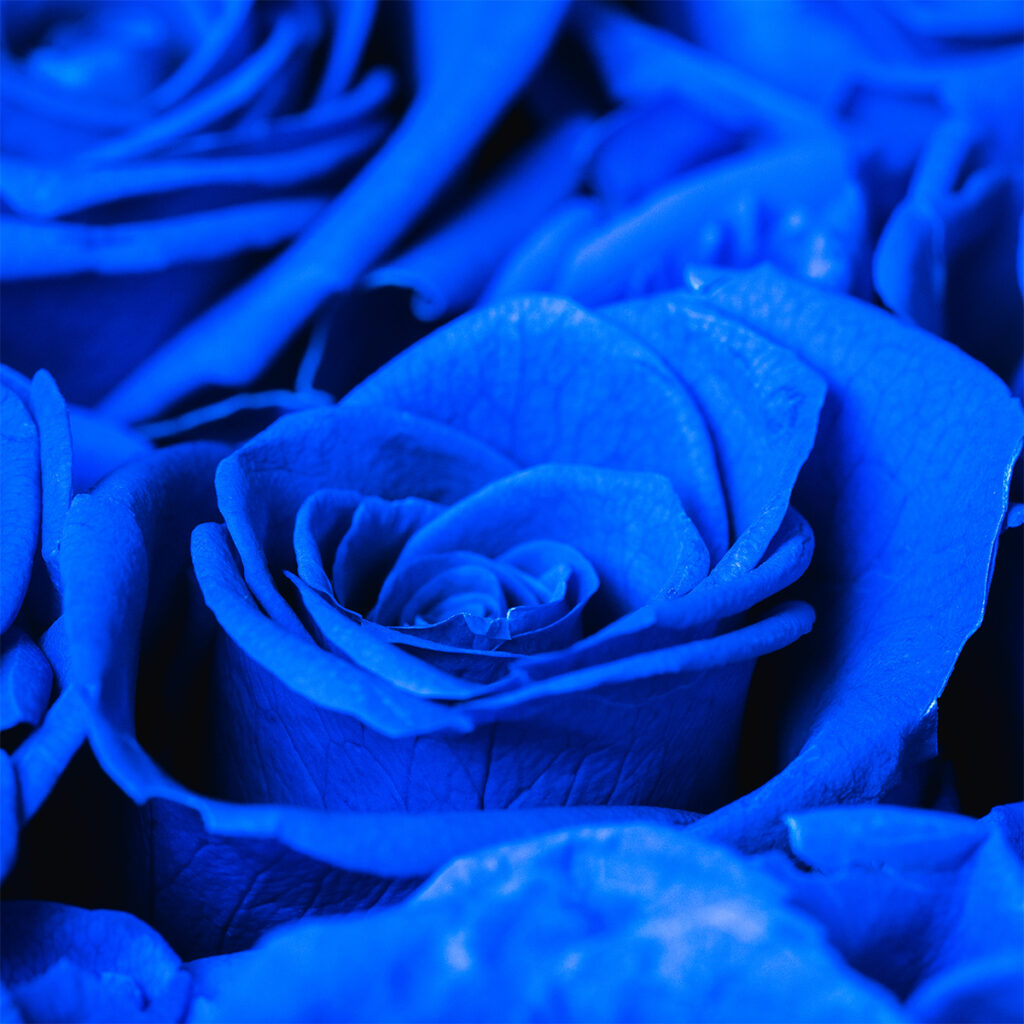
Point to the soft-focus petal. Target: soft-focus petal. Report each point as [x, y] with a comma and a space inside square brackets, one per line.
[597, 925]
[66, 964]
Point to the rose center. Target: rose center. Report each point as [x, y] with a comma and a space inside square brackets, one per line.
[117, 52]
[482, 588]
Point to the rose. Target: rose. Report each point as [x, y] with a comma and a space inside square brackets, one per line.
[895, 178]
[936, 88]
[40, 734]
[688, 161]
[181, 176]
[928, 905]
[895, 175]
[43, 724]
[650, 924]
[597, 924]
[346, 762]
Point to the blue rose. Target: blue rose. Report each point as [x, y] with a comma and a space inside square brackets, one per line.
[43, 723]
[176, 176]
[671, 158]
[519, 580]
[895, 915]
[900, 907]
[933, 93]
[870, 148]
[40, 734]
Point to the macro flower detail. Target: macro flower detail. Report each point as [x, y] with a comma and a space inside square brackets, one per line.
[468, 487]
[510, 510]
[166, 168]
[42, 726]
[340, 726]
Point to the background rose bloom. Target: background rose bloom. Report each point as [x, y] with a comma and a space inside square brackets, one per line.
[896, 914]
[367, 723]
[658, 156]
[871, 148]
[40, 734]
[178, 176]
[42, 724]
[933, 92]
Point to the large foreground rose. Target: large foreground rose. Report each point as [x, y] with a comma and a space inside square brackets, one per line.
[185, 184]
[519, 578]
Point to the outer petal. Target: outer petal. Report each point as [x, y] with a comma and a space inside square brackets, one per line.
[66, 964]
[443, 280]
[898, 589]
[222, 872]
[929, 904]
[636, 924]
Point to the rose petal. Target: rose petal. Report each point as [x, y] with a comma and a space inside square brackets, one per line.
[20, 503]
[67, 964]
[629, 526]
[553, 383]
[26, 680]
[392, 455]
[870, 489]
[637, 923]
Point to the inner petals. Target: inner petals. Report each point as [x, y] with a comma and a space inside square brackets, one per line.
[345, 542]
[629, 526]
[527, 599]
[471, 589]
[375, 538]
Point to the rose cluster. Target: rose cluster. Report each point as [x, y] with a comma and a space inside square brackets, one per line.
[509, 511]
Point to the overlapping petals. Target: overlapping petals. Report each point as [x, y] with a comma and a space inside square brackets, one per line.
[410, 657]
[174, 176]
[42, 726]
[887, 914]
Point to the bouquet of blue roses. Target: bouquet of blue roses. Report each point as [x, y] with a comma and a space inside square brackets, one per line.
[509, 511]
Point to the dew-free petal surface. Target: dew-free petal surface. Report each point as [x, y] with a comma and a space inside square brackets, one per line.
[68, 964]
[550, 382]
[638, 924]
[894, 603]
[914, 899]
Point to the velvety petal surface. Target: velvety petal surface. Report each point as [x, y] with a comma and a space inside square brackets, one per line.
[869, 490]
[271, 862]
[553, 383]
[67, 964]
[638, 924]
[929, 904]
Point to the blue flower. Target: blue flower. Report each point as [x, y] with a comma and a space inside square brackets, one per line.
[519, 578]
[42, 726]
[672, 158]
[42, 720]
[894, 915]
[870, 148]
[177, 176]
[931, 92]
